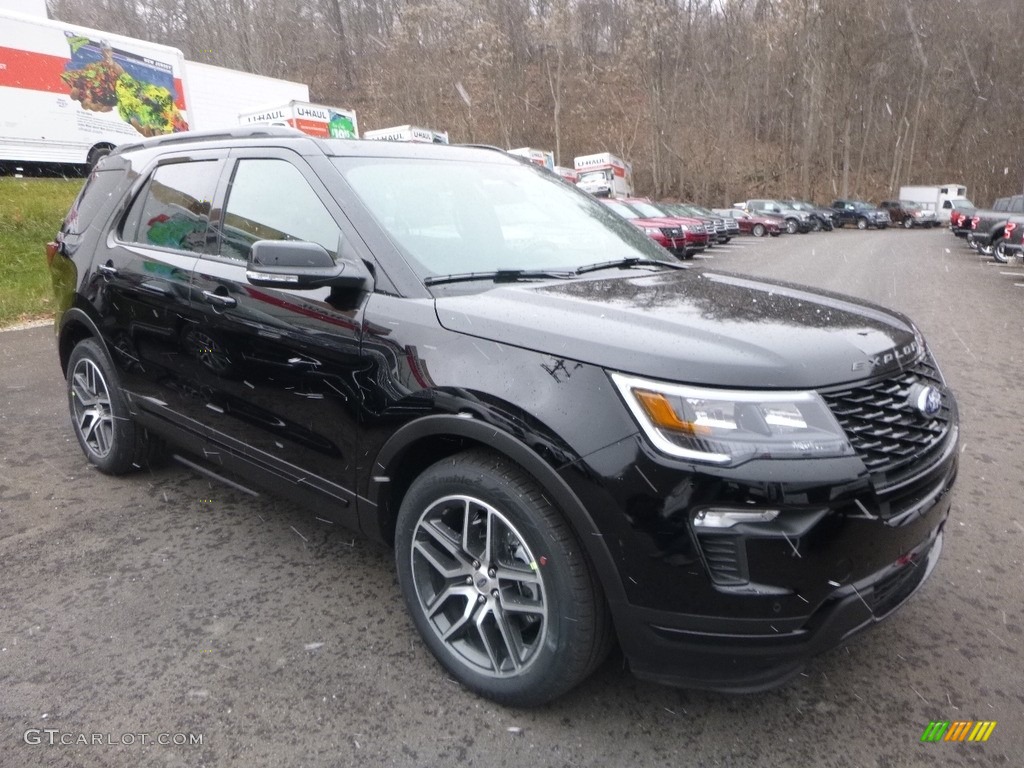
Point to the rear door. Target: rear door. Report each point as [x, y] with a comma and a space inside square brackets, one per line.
[281, 365]
[141, 283]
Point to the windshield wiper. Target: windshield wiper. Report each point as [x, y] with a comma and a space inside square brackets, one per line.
[499, 276]
[632, 261]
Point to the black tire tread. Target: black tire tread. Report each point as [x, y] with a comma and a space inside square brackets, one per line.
[145, 449]
[593, 644]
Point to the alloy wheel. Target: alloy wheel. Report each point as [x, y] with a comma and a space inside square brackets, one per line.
[91, 403]
[479, 586]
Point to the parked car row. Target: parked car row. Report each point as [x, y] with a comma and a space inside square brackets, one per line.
[687, 229]
[994, 231]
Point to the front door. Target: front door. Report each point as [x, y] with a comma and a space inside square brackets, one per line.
[281, 365]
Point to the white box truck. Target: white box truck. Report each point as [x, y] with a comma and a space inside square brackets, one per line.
[569, 174]
[69, 94]
[313, 119]
[937, 197]
[604, 175]
[412, 133]
[540, 157]
[217, 95]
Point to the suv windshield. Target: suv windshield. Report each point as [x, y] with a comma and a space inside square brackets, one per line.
[453, 217]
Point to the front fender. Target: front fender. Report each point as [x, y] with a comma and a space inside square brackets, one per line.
[373, 515]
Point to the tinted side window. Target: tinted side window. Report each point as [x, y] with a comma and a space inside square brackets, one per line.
[173, 209]
[270, 200]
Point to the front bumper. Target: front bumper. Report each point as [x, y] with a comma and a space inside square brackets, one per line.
[754, 656]
[747, 609]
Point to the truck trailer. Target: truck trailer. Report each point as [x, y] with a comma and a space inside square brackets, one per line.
[604, 175]
[217, 95]
[411, 133]
[314, 119]
[936, 197]
[540, 157]
[70, 94]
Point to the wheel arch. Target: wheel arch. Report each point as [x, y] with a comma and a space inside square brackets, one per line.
[423, 442]
[76, 325]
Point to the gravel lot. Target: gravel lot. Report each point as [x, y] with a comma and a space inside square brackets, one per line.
[161, 604]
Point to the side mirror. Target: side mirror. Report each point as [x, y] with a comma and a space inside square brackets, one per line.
[301, 265]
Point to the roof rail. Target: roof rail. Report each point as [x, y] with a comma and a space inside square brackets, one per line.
[483, 146]
[189, 137]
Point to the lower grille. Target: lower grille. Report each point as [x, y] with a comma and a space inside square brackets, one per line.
[726, 558]
[895, 588]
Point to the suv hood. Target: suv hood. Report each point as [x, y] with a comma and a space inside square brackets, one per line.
[693, 327]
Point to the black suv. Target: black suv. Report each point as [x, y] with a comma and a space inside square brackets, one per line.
[860, 214]
[567, 436]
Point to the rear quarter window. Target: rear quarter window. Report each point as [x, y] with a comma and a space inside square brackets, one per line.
[94, 202]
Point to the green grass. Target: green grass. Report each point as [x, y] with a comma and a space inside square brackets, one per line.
[31, 211]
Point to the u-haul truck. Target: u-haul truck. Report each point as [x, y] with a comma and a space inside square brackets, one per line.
[411, 133]
[604, 175]
[540, 157]
[313, 119]
[569, 174]
[70, 94]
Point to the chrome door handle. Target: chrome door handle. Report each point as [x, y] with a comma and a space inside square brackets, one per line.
[219, 299]
[107, 270]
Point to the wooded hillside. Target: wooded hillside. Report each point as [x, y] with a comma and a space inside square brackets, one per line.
[712, 100]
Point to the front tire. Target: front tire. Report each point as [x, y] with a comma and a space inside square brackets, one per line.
[792, 225]
[758, 230]
[496, 581]
[862, 223]
[908, 223]
[111, 441]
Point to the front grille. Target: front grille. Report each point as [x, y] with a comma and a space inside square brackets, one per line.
[886, 430]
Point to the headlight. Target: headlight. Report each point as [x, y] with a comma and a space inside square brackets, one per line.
[652, 230]
[725, 426]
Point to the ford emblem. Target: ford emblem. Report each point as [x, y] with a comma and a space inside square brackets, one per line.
[928, 401]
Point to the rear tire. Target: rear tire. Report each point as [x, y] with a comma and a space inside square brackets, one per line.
[792, 225]
[111, 441]
[862, 223]
[95, 155]
[758, 230]
[908, 223]
[999, 251]
[496, 581]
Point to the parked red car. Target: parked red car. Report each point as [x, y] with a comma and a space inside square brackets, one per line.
[753, 223]
[684, 237]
